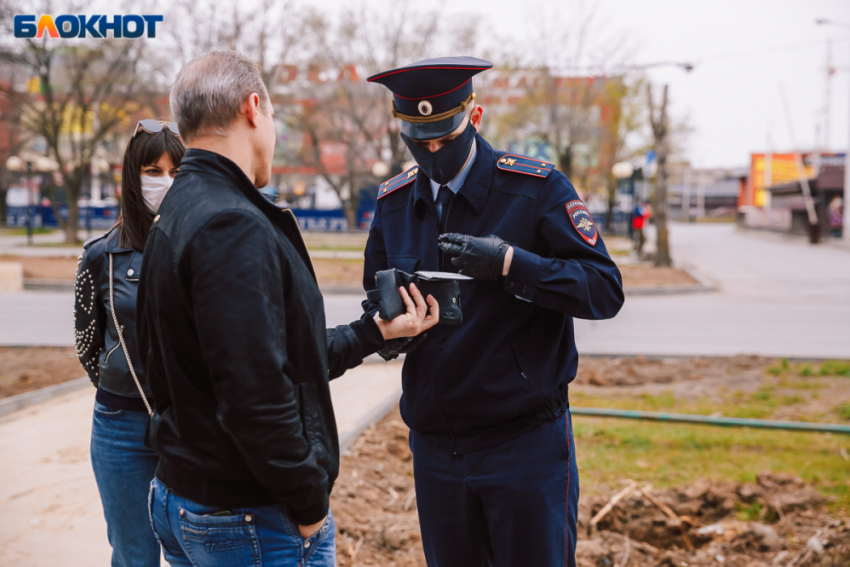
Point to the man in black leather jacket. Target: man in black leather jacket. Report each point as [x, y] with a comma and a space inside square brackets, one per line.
[233, 341]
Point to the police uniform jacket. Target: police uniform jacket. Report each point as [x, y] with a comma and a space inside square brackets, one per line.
[506, 367]
[233, 342]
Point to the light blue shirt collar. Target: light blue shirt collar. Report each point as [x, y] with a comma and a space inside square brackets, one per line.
[456, 183]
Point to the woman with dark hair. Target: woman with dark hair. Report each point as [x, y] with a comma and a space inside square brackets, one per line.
[105, 324]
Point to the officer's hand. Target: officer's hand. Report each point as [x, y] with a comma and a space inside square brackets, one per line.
[480, 257]
[419, 317]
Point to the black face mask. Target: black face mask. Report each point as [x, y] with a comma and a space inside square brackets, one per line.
[443, 165]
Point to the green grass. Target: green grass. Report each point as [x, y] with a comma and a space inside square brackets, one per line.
[748, 512]
[610, 450]
[835, 368]
[807, 370]
[23, 231]
[672, 454]
[756, 405]
[57, 244]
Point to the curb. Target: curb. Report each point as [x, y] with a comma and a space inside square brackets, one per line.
[37, 284]
[27, 399]
[815, 359]
[31, 284]
[342, 289]
[381, 409]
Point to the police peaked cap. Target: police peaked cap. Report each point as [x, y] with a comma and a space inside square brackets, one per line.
[430, 97]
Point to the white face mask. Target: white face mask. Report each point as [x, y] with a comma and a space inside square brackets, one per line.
[154, 189]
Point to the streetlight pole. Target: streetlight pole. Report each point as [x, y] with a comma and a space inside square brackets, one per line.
[30, 204]
[846, 229]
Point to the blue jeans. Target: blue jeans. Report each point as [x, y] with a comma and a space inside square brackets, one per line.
[123, 468]
[512, 504]
[206, 536]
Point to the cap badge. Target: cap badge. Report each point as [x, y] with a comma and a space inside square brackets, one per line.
[425, 108]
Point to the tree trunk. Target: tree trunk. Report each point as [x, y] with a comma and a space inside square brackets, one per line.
[3, 192]
[73, 218]
[73, 185]
[612, 202]
[659, 205]
[659, 208]
[565, 161]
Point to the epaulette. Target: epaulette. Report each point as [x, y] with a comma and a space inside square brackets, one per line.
[526, 165]
[398, 181]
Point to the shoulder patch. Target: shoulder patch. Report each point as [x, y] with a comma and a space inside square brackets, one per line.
[526, 165]
[582, 221]
[398, 181]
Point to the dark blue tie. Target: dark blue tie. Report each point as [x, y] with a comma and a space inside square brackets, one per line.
[443, 197]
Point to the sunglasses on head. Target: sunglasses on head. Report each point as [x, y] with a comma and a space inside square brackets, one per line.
[152, 126]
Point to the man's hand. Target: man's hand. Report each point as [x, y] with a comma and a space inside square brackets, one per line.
[480, 257]
[307, 531]
[417, 319]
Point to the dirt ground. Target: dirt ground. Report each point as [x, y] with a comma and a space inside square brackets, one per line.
[350, 272]
[45, 268]
[766, 519]
[25, 369]
[647, 276]
[789, 391]
[786, 524]
[700, 525]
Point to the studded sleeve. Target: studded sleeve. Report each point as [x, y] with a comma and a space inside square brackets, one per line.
[88, 318]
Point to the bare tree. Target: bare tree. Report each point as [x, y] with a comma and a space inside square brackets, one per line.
[88, 89]
[10, 125]
[660, 132]
[566, 98]
[618, 134]
[268, 32]
[345, 111]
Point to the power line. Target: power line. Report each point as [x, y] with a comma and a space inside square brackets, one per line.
[769, 50]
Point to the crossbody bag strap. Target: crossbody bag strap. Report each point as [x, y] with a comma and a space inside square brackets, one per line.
[121, 337]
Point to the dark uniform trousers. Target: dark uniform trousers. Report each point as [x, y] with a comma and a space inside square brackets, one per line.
[512, 505]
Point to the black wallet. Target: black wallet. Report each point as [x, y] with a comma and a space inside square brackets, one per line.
[444, 286]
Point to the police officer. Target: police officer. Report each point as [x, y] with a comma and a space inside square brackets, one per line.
[486, 400]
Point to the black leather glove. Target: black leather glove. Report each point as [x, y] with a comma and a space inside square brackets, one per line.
[480, 257]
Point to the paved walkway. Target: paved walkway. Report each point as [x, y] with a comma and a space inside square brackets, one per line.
[777, 297]
[50, 512]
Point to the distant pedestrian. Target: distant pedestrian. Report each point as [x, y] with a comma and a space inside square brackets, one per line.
[836, 216]
[640, 215]
[107, 281]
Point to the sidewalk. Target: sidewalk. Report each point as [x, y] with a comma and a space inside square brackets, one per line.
[51, 513]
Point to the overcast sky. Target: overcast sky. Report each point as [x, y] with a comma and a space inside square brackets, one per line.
[742, 51]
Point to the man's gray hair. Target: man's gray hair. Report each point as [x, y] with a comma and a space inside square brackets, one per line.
[210, 89]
